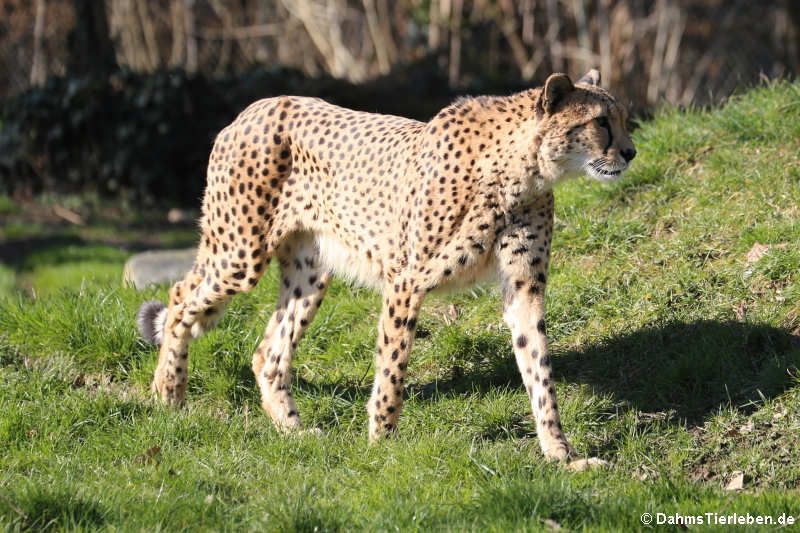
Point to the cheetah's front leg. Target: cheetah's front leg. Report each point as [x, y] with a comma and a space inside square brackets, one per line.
[523, 252]
[401, 303]
[524, 314]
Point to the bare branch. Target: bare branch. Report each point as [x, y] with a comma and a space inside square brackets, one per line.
[655, 79]
[191, 41]
[178, 33]
[701, 67]
[454, 69]
[242, 32]
[149, 32]
[433, 25]
[326, 36]
[584, 40]
[377, 36]
[38, 68]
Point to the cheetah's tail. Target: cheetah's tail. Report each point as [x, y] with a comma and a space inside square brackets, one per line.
[151, 318]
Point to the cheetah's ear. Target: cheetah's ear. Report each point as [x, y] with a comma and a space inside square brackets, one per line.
[591, 78]
[555, 88]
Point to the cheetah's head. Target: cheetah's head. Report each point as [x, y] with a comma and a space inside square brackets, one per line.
[584, 129]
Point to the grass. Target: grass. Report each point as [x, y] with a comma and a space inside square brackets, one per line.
[676, 360]
[41, 252]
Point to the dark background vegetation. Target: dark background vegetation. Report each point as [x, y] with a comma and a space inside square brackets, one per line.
[124, 97]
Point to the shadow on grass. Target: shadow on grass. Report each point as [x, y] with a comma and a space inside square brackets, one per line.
[13, 252]
[685, 370]
[43, 510]
[688, 369]
[59, 249]
[692, 368]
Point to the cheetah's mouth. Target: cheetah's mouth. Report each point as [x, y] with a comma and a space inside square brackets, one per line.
[604, 170]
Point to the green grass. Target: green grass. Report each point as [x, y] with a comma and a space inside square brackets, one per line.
[6, 205]
[675, 359]
[41, 253]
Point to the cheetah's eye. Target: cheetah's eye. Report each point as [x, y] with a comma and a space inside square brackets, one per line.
[603, 122]
[606, 125]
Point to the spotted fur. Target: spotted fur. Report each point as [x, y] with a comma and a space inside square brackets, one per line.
[405, 206]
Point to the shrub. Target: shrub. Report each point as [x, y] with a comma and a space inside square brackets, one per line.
[148, 136]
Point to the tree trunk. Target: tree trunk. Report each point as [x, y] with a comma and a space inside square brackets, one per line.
[191, 40]
[90, 48]
[454, 65]
[38, 69]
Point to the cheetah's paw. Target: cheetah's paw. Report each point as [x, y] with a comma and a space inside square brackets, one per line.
[579, 465]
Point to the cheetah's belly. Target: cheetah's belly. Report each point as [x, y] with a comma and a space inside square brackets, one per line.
[346, 262]
[484, 271]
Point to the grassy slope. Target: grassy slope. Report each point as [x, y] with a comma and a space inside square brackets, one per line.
[674, 359]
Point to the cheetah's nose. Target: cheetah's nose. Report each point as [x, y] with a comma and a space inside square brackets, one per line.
[628, 154]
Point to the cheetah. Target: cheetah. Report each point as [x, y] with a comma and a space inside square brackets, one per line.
[404, 206]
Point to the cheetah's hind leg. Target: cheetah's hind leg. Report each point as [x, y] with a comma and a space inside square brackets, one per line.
[303, 285]
[196, 304]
